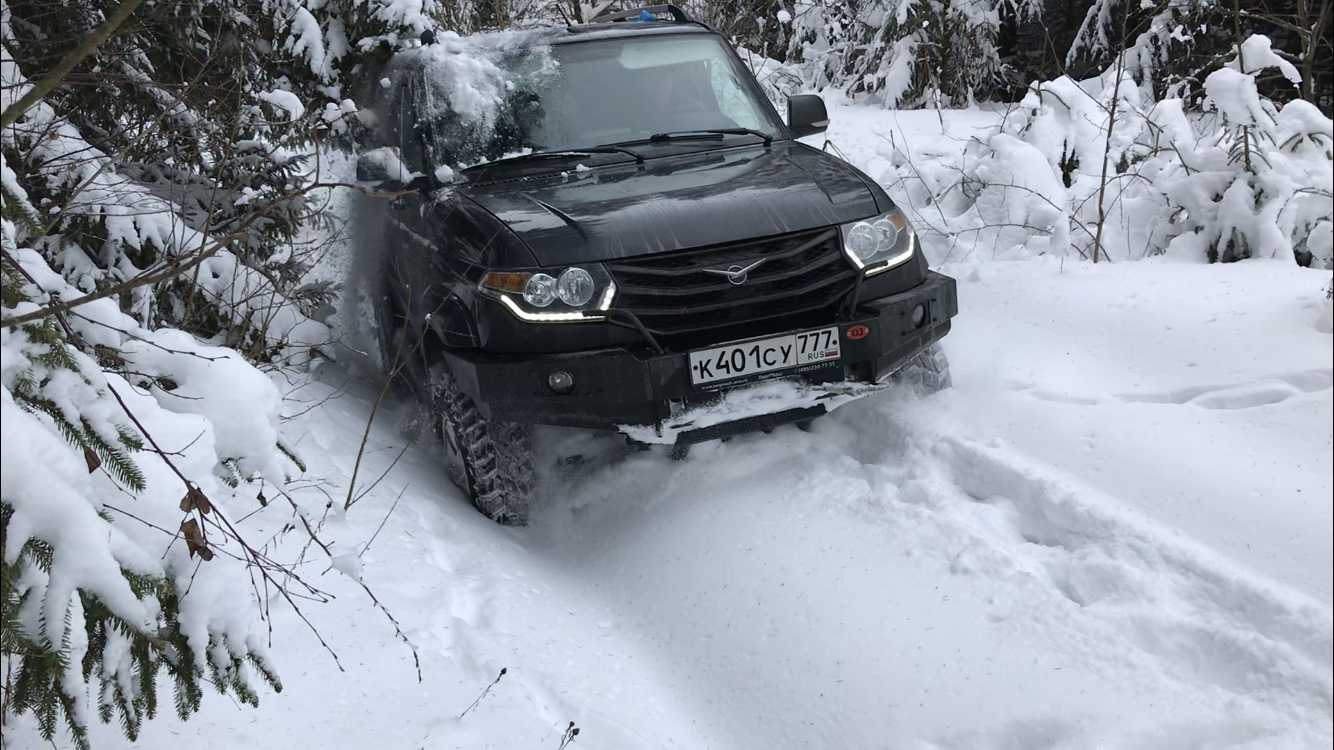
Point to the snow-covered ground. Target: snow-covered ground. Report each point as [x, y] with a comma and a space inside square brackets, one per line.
[1114, 532]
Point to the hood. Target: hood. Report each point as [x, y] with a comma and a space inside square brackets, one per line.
[676, 202]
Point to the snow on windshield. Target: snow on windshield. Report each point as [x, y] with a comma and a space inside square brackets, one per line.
[467, 97]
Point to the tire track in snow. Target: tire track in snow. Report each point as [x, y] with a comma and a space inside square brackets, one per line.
[1169, 597]
[702, 557]
[1248, 395]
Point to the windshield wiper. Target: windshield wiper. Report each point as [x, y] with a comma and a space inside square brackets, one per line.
[705, 134]
[561, 154]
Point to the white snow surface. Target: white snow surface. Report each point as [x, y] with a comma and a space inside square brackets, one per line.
[1114, 532]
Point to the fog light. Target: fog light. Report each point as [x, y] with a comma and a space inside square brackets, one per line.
[918, 316]
[560, 381]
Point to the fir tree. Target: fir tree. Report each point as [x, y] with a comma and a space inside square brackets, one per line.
[175, 153]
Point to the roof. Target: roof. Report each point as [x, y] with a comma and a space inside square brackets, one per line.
[650, 20]
[622, 29]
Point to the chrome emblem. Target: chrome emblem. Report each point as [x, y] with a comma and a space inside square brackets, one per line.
[736, 275]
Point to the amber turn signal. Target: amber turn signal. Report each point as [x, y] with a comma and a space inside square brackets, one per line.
[506, 281]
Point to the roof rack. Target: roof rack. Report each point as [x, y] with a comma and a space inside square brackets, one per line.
[678, 15]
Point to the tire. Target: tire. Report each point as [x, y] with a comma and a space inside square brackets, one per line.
[492, 462]
[928, 372]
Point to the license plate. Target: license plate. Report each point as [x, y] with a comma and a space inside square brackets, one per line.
[749, 358]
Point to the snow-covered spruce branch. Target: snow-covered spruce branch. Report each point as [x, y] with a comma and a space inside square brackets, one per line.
[206, 532]
[142, 613]
[178, 265]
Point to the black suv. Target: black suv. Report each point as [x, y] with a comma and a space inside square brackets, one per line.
[640, 245]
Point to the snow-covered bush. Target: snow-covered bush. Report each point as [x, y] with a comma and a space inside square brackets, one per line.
[1276, 188]
[1100, 168]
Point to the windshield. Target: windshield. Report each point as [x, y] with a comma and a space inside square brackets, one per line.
[489, 97]
[620, 90]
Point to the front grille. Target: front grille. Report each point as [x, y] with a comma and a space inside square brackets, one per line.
[803, 279]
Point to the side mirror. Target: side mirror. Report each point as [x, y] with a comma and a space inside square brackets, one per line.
[806, 115]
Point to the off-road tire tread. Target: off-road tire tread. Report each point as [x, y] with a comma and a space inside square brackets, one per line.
[497, 456]
[928, 372]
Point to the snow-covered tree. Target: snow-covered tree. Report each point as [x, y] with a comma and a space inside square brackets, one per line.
[1173, 45]
[175, 139]
[154, 199]
[910, 52]
[756, 25]
[820, 41]
[904, 52]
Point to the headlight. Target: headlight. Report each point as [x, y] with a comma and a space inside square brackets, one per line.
[575, 287]
[539, 290]
[880, 243]
[577, 294]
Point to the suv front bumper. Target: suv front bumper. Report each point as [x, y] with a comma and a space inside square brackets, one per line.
[650, 396]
